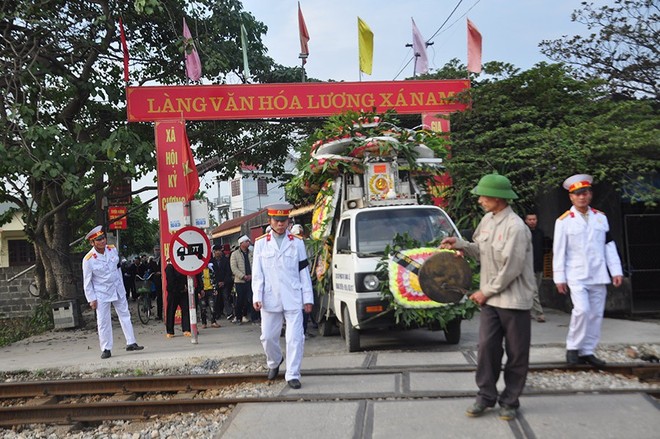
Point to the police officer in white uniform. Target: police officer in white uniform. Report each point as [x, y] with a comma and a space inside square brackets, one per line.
[282, 288]
[103, 285]
[583, 252]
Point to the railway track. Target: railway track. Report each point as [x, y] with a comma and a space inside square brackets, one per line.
[131, 398]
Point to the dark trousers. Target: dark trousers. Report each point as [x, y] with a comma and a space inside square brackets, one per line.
[514, 328]
[207, 301]
[224, 302]
[244, 306]
[159, 299]
[131, 292]
[174, 300]
[243, 294]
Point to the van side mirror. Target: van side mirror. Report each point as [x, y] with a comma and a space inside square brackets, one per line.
[343, 245]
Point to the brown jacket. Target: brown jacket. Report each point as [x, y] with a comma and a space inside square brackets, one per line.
[237, 263]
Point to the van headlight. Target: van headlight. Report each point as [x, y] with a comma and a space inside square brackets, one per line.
[371, 282]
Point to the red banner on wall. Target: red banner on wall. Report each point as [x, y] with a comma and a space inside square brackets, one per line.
[307, 99]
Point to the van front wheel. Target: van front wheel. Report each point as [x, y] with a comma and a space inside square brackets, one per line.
[351, 334]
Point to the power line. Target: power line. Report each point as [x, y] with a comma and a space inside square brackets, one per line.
[439, 29]
[446, 20]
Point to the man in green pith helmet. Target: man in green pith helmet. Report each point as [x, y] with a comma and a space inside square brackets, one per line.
[503, 246]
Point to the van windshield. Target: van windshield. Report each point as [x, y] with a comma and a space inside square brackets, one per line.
[376, 229]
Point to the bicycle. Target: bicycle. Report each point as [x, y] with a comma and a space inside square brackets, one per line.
[143, 287]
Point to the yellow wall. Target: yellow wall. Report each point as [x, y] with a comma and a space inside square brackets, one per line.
[15, 229]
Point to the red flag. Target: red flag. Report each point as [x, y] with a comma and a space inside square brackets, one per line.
[124, 48]
[190, 174]
[304, 36]
[474, 48]
[193, 63]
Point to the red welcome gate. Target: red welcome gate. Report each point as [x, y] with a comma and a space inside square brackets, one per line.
[170, 106]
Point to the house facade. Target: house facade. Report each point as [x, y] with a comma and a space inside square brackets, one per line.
[247, 193]
[15, 249]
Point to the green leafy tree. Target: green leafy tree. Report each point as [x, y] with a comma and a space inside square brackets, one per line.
[541, 125]
[64, 131]
[141, 234]
[622, 47]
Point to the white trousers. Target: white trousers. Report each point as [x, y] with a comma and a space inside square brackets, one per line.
[104, 321]
[586, 318]
[271, 326]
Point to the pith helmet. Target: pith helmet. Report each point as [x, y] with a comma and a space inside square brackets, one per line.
[496, 186]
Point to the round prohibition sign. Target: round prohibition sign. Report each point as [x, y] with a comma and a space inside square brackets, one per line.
[190, 250]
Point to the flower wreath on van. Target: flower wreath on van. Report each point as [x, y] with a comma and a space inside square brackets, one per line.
[404, 295]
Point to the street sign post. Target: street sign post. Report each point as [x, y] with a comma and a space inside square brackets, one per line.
[190, 250]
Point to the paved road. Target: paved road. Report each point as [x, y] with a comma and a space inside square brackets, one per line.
[581, 416]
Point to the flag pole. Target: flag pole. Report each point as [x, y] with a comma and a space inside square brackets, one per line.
[303, 60]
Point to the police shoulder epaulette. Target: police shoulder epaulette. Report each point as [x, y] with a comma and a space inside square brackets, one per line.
[565, 214]
[110, 246]
[89, 255]
[297, 236]
[595, 210]
[262, 236]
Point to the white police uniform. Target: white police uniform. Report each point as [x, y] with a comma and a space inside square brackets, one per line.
[582, 256]
[282, 283]
[102, 281]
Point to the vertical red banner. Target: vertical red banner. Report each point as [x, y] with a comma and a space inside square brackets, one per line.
[438, 123]
[171, 168]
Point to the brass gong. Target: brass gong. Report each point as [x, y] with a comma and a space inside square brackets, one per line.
[445, 277]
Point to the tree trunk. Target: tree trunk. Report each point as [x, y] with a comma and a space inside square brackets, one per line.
[52, 242]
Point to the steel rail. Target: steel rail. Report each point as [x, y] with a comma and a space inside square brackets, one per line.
[184, 383]
[50, 413]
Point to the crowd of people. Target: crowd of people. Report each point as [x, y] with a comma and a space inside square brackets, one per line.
[223, 289]
[270, 285]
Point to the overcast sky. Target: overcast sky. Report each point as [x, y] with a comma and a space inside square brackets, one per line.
[511, 32]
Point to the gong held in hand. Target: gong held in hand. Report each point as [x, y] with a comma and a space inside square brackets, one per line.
[445, 277]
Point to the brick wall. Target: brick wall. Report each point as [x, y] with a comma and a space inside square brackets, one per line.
[15, 298]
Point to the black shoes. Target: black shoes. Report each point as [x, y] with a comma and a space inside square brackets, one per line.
[294, 384]
[133, 347]
[272, 373]
[572, 357]
[592, 359]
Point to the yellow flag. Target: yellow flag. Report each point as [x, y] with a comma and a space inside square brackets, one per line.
[365, 46]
